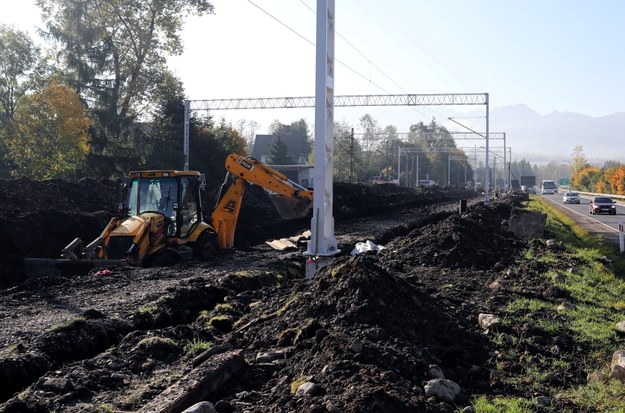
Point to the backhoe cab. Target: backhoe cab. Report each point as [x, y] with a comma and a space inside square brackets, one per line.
[161, 221]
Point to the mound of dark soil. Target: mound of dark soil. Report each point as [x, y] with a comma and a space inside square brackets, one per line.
[39, 218]
[368, 333]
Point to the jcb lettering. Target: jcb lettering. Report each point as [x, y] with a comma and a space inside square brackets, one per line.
[246, 164]
[230, 205]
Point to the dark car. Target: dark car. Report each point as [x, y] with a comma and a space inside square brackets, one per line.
[602, 205]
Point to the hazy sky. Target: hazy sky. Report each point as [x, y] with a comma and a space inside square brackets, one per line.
[555, 55]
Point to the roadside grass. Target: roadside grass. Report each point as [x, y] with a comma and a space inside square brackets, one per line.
[595, 303]
[502, 405]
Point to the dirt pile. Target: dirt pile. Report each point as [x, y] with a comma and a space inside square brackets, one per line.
[371, 332]
[375, 332]
[39, 218]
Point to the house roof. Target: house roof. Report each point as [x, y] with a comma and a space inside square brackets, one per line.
[295, 142]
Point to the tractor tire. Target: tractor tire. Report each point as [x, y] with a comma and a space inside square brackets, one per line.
[164, 258]
[206, 246]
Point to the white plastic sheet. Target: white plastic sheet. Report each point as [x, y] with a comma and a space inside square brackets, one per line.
[366, 246]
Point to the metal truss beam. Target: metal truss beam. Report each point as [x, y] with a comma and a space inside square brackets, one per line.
[346, 100]
[403, 136]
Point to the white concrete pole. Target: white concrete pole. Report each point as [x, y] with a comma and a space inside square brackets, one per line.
[322, 242]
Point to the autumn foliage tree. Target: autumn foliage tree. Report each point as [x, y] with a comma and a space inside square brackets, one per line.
[586, 179]
[614, 179]
[49, 137]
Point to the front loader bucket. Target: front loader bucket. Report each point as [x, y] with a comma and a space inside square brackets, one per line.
[290, 208]
[46, 267]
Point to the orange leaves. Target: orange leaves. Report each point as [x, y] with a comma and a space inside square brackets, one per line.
[615, 177]
[607, 181]
[51, 134]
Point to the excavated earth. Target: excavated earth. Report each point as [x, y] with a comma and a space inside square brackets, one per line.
[366, 333]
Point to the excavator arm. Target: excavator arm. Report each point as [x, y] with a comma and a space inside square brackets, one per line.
[290, 199]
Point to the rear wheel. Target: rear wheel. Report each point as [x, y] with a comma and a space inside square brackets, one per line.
[206, 246]
[164, 258]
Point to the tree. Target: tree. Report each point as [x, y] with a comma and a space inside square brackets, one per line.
[165, 148]
[247, 129]
[579, 160]
[114, 52]
[18, 62]
[369, 129]
[229, 138]
[586, 179]
[49, 138]
[348, 164]
[614, 178]
[298, 137]
[279, 152]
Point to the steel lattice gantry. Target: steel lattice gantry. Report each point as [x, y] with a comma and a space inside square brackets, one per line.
[441, 99]
[346, 100]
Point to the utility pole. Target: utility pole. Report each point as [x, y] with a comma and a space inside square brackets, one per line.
[351, 156]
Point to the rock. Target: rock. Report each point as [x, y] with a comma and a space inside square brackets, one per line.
[620, 327]
[618, 372]
[442, 389]
[58, 385]
[565, 307]
[618, 358]
[320, 334]
[553, 244]
[332, 408]
[356, 347]
[474, 371]
[617, 367]
[527, 224]
[506, 339]
[201, 407]
[116, 364]
[435, 372]
[488, 321]
[543, 401]
[495, 284]
[224, 406]
[270, 356]
[307, 389]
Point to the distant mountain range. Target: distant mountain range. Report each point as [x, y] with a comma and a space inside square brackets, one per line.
[539, 138]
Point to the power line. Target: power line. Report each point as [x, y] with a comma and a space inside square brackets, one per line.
[371, 63]
[313, 44]
[279, 21]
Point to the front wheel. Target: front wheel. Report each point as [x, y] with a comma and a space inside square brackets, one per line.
[206, 246]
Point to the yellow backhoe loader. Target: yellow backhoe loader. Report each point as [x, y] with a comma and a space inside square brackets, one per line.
[161, 220]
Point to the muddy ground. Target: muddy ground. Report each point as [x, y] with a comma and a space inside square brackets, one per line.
[370, 333]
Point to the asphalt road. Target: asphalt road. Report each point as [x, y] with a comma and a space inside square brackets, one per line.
[604, 224]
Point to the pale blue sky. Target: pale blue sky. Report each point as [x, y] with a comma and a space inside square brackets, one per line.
[551, 55]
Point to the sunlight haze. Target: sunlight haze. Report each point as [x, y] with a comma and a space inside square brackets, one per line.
[555, 56]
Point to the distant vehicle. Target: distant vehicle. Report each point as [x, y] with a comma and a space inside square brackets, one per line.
[602, 204]
[380, 180]
[571, 198]
[426, 182]
[528, 189]
[548, 187]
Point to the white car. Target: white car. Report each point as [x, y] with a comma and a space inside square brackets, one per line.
[570, 198]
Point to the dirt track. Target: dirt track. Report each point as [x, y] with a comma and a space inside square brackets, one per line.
[369, 332]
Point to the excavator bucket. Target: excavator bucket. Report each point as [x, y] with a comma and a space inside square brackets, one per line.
[290, 208]
[46, 267]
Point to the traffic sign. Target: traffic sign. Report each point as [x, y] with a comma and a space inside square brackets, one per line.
[564, 182]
